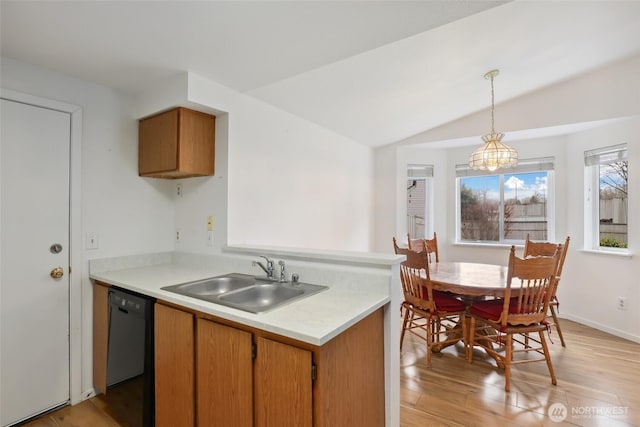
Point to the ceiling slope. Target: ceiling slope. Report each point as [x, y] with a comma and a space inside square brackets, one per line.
[376, 72]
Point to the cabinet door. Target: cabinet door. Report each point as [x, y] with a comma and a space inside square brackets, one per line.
[282, 376]
[158, 143]
[178, 143]
[174, 359]
[224, 376]
[349, 389]
[100, 336]
[196, 152]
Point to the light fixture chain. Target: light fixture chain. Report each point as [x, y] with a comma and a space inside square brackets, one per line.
[492, 106]
[493, 154]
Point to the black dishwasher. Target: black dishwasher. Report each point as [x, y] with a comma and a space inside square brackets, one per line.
[130, 367]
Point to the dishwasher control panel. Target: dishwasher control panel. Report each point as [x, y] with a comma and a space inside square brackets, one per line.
[127, 302]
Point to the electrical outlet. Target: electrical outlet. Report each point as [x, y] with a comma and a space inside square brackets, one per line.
[622, 303]
[178, 236]
[179, 190]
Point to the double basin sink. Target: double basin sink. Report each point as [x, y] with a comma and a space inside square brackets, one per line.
[246, 292]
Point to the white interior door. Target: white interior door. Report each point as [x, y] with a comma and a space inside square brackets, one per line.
[34, 306]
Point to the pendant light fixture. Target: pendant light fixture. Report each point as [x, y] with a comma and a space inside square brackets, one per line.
[493, 154]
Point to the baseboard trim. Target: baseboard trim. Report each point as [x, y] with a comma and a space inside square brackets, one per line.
[601, 327]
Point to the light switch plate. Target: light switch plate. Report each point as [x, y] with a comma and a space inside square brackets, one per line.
[92, 241]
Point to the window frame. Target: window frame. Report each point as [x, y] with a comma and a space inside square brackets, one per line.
[416, 171]
[543, 164]
[593, 160]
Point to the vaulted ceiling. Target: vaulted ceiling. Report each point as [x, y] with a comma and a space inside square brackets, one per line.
[374, 71]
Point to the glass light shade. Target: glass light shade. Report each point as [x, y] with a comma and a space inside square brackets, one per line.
[493, 154]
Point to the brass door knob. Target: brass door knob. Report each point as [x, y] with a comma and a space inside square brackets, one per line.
[57, 273]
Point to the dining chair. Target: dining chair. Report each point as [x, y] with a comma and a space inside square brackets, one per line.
[397, 248]
[404, 306]
[435, 316]
[532, 248]
[415, 244]
[431, 246]
[523, 310]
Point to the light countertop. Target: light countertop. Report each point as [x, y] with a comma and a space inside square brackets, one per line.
[352, 295]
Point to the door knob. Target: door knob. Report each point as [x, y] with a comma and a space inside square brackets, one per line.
[57, 273]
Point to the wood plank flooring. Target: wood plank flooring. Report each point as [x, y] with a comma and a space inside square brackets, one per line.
[598, 384]
[596, 372]
[120, 407]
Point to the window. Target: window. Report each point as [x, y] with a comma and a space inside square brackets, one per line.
[606, 198]
[505, 207]
[419, 205]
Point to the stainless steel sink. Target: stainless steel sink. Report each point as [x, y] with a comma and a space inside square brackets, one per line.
[261, 297]
[208, 288]
[245, 292]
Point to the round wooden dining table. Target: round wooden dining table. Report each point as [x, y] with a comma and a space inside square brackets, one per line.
[469, 279]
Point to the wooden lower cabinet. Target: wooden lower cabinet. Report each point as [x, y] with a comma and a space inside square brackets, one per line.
[349, 386]
[217, 373]
[174, 367]
[283, 392]
[100, 336]
[224, 380]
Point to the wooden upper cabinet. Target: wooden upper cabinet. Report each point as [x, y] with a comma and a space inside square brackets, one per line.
[179, 143]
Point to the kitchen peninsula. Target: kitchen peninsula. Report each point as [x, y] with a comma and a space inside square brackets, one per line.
[348, 332]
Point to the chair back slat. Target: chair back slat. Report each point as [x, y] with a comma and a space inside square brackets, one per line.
[432, 248]
[563, 255]
[414, 275]
[533, 249]
[530, 282]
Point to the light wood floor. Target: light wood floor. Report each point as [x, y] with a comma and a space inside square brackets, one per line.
[595, 372]
[121, 407]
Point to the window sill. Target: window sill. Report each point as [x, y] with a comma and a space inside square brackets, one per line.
[489, 245]
[620, 254]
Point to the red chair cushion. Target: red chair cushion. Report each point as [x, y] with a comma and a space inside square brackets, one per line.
[491, 309]
[447, 302]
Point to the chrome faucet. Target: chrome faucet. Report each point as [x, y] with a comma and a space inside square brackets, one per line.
[283, 274]
[269, 269]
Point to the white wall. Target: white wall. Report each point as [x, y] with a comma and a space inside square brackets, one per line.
[389, 178]
[129, 214]
[391, 195]
[289, 182]
[280, 180]
[591, 281]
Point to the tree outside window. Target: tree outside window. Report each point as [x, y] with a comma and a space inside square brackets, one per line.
[504, 207]
[606, 202]
[613, 201]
